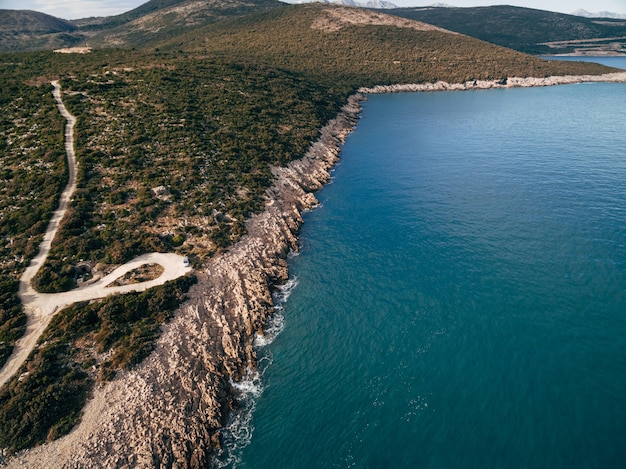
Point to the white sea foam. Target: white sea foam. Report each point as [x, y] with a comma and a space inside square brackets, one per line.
[276, 323]
[284, 291]
[237, 434]
[275, 326]
[314, 207]
[248, 387]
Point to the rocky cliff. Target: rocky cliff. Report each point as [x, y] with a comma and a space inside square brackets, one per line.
[167, 413]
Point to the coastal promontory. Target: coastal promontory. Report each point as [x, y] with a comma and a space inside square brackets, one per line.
[207, 140]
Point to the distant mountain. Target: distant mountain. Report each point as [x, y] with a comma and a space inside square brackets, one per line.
[377, 4]
[524, 29]
[27, 21]
[599, 14]
[527, 30]
[360, 46]
[380, 4]
[172, 17]
[99, 23]
[32, 30]
[22, 30]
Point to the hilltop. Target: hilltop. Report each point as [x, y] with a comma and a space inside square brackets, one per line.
[22, 30]
[152, 21]
[360, 47]
[157, 21]
[523, 29]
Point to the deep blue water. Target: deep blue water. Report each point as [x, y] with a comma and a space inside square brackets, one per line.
[460, 295]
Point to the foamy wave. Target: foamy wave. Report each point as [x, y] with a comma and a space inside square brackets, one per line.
[235, 436]
[275, 326]
[238, 432]
[317, 205]
[248, 387]
[284, 291]
[276, 323]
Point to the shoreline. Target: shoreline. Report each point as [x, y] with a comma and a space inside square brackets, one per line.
[509, 82]
[169, 410]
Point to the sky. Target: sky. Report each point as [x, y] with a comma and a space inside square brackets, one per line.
[72, 9]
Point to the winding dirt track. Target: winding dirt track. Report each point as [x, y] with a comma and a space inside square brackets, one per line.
[41, 307]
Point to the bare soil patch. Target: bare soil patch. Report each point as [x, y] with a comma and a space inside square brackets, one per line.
[143, 273]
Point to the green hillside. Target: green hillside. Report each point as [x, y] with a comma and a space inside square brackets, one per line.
[24, 30]
[524, 29]
[156, 21]
[152, 21]
[342, 44]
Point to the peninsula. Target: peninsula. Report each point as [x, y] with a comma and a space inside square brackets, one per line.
[207, 143]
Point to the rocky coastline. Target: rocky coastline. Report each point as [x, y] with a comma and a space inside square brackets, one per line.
[168, 412]
[508, 82]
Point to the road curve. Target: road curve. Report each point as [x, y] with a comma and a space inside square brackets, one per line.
[41, 307]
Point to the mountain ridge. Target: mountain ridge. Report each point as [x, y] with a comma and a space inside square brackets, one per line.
[177, 16]
[375, 4]
[149, 22]
[599, 14]
[33, 30]
[526, 29]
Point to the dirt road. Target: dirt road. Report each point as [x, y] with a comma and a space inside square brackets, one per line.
[41, 307]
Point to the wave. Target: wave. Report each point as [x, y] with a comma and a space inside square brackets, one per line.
[276, 322]
[283, 292]
[316, 206]
[237, 433]
[275, 326]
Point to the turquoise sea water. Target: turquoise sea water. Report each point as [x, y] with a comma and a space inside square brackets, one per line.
[460, 296]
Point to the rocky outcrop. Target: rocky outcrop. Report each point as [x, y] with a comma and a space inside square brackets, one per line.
[167, 412]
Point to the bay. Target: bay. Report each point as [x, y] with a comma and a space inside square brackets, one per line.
[461, 292]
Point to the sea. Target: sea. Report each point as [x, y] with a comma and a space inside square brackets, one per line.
[459, 297]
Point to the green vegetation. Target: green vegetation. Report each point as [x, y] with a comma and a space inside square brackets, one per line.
[522, 29]
[175, 144]
[84, 344]
[364, 55]
[156, 20]
[159, 20]
[32, 174]
[177, 169]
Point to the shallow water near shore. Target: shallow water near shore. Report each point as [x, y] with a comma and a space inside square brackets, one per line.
[461, 292]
